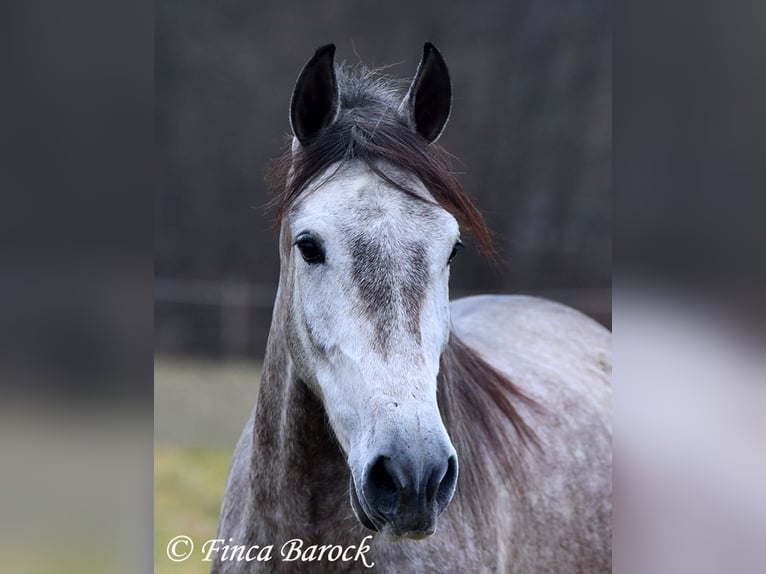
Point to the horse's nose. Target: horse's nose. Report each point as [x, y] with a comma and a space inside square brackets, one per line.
[410, 492]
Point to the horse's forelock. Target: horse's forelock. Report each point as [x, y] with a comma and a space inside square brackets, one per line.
[370, 129]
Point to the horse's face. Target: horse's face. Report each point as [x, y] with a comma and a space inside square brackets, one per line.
[366, 267]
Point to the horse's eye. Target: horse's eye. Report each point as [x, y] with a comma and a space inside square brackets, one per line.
[310, 250]
[457, 247]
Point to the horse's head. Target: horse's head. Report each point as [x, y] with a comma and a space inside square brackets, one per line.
[365, 251]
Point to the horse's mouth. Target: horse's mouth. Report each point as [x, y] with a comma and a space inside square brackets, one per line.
[384, 528]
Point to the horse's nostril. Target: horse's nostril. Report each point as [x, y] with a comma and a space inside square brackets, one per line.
[381, 480]
[435, 480]
[442, 481]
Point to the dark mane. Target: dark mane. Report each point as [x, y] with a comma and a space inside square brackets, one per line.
[370, 129]
[470, 392]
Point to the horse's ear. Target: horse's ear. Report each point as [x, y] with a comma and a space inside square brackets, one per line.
[427, 104]
[314, 104]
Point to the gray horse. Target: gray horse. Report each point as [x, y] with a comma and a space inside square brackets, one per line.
[376, 388]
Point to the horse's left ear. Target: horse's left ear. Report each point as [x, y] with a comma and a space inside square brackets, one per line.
[314, 104]
[426, 106]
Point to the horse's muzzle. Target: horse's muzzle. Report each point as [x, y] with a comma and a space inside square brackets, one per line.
[402, 495]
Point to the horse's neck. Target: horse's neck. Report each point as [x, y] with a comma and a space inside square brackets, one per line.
[300, 478]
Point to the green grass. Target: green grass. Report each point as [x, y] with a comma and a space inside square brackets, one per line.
[200, 409]
[188, 487]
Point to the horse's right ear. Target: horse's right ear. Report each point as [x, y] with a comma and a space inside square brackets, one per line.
[314, 104]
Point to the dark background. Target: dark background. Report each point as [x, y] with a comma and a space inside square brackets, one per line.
[530, 124]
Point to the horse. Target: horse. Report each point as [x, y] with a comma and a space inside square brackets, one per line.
[432, 436]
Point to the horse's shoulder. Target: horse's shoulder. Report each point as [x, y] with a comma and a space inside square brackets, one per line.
[530, 329]
[561, 359]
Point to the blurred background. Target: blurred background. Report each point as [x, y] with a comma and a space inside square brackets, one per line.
[530, 126]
